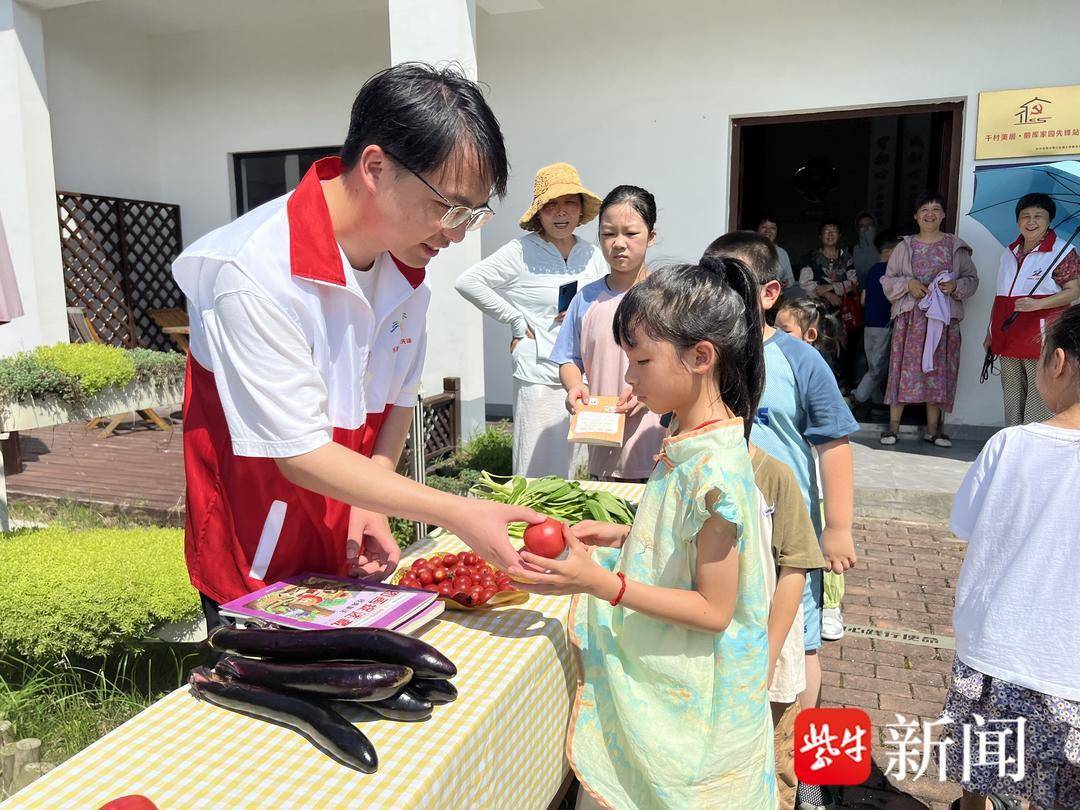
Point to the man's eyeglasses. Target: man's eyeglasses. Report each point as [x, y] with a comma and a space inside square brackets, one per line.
[456, 215]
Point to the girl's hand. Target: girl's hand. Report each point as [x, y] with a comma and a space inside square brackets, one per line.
[600, 533]
[628, 403]
[576, 398]
[1028, 305]
[947, 287]
[575, 574]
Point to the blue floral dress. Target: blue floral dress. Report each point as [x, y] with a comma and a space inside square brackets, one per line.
[666, 716]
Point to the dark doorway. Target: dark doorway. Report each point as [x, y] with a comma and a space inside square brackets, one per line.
[880, 159]
[803, 168]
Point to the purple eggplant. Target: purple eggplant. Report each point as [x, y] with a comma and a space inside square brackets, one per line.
[334, 681]
[404, 706]
[347, 644]
[320, 725]
[435, 690]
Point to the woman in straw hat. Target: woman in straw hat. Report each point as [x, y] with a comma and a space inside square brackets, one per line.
[519, 285]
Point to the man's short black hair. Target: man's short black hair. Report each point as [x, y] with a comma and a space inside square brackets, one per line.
[754, 250]
[1037, 200]
[420, 114]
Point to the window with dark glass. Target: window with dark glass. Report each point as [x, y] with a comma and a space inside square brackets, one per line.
[261, 176]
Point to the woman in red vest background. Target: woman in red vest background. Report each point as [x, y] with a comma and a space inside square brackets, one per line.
[1038, 297]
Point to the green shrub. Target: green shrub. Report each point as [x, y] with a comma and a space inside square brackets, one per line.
[70, 372]
[491, 450]
[158, 367]
[444, 483]
[24, 379]
[95, 365]
[86, 594]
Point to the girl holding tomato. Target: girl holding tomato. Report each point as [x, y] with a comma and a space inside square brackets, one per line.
[670, 618]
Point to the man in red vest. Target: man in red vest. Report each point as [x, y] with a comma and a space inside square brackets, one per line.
[307, 345]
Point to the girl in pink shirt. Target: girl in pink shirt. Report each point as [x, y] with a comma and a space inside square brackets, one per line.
[586, 345]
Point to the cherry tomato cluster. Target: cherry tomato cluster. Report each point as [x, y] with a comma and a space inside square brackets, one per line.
[463, 577]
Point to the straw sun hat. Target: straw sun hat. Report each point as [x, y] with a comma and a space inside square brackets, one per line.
[554, 181]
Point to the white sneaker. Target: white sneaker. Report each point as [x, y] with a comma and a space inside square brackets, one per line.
[832, 624]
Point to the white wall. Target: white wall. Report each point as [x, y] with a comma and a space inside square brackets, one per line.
[27, 201]
[103, 104]
[630, 95]
[264, 86]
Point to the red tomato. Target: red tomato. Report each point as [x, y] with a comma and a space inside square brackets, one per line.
[438, 573]
[431, 586]
[446, 588]
[475, 594]
[130, 802]
[471, 558]
[463, 582]
[486, 594]
[487, 582]
[419, 563]
[545, 539]
[450, 560]
[410, 582]
[426, 576]
[463, 598]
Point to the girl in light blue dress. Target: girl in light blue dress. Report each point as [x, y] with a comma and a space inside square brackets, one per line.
[670, 622]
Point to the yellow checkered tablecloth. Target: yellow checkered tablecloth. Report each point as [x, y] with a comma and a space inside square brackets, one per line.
[499, 745]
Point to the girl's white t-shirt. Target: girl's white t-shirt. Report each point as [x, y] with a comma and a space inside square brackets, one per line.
[1017, 614]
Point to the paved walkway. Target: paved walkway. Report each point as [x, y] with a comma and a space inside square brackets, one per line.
[912, 479]
[904, 580]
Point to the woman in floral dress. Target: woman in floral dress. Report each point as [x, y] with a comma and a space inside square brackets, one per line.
[928, 277]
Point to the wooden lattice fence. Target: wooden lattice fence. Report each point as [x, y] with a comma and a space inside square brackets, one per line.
[441, 428]
[116, 255]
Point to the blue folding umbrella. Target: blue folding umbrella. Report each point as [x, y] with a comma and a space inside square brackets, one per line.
[997, 189]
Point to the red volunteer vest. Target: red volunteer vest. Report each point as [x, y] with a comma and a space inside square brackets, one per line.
[234, 502]
[1024, 337]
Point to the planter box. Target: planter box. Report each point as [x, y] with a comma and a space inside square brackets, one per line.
[48, 412]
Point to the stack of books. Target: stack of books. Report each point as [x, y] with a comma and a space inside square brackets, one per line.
[325, 602]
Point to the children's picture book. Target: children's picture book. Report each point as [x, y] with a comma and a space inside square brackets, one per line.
[324, 602]
[598, 423]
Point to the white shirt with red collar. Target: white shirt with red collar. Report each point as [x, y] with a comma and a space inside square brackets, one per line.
[289, 351]
[1024, 275]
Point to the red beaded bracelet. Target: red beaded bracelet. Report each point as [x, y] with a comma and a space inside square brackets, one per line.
[622, 590]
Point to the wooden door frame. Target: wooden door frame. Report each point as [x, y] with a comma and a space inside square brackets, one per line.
[953, 143]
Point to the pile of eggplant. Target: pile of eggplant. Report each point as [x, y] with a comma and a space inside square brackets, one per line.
[320, 682]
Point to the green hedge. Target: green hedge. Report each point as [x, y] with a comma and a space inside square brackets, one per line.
[86, 594]
[71, 372]
[490, 451]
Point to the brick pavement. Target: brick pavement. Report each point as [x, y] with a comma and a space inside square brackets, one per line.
[905, 579]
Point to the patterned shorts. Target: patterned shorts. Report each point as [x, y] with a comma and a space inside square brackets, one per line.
[1051, 757]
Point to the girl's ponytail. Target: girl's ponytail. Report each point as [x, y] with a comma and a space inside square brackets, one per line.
[742, 281]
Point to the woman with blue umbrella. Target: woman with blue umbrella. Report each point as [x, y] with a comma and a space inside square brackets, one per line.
[1038, 278]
